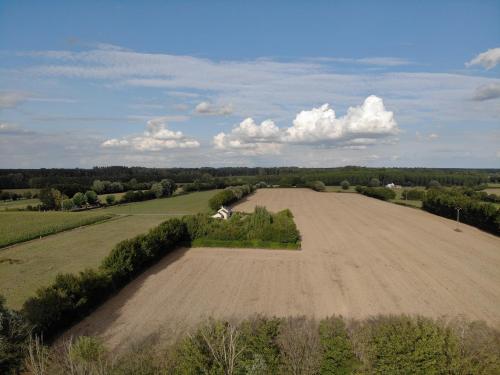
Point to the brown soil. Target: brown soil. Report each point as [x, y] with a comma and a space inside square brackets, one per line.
[359, 257]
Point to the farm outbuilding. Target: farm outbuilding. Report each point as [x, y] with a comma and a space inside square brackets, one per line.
[223, 213]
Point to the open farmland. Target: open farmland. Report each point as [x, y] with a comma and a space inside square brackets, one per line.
[27, 266]
[18, 204]
[360, 257]
[179, 205]
[23, 226]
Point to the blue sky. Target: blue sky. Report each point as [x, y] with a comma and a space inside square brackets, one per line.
[245, 83]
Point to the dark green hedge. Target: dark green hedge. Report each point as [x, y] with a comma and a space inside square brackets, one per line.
[382, 193]
[229, 196]
[474, 212]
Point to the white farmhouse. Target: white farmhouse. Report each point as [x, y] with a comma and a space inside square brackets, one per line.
[393, 186]
[223, 213]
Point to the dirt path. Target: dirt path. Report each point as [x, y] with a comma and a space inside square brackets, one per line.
[360, 257]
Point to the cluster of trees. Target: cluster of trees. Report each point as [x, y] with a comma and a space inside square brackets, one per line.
[472, 211]
[229, 196]
[316, 185]
[396, 344]
[382, 193]
[70, 181]
[258, 229]
[13, 196]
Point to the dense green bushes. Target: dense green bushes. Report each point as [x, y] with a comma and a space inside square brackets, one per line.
[316, 185]
[413, 194]
[259, 229]
[229, 196]
[382, 193]
[474, 212]
[71, 297]
[298, 345]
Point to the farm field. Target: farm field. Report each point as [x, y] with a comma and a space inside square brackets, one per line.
[360, 257]
[179, 205]
[26, 225]
[20, 203]
[27, 266]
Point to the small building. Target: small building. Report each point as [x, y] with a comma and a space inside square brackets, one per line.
[393, 186]
[223, 213]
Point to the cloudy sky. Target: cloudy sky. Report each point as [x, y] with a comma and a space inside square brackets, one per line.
[194, 83]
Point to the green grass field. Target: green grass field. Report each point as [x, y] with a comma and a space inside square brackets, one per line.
[27, 266]
[19, 204]
[338, 189]
[22, 226]
[179, 205]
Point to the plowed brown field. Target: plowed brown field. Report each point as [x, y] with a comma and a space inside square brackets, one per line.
[359, 257]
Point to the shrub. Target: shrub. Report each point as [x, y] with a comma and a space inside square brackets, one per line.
[345, 185]
[79, 199]
[157, 189]
[316, 185]
[382, 193]
[229, 196]
[91, 197]
[13, 335]
[68, 204]
[374, 182]
[413, 194]
[433, 184]
[110, 199]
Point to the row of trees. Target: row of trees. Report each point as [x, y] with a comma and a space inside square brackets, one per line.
[229, 196]
[70, 181]
[396, 344]
[472, 211]
[382, 193]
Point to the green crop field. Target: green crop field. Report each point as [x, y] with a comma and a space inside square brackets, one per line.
[19, 226]
[179, 205]
[27, 266]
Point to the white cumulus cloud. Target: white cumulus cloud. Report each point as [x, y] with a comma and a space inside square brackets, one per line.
[362, 126]
[488, 59]
[156, 137]
[11, 99]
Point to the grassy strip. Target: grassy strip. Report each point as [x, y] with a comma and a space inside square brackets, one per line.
[254, 244]
[37, 224]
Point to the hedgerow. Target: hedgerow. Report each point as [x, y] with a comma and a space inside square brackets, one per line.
[472, 211]
[229, 196]
[382, 193]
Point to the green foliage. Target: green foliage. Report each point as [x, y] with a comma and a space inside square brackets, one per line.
[13, 335]
[86, 349]
[91, 197]
[337, 350]
[345, 185]
[68, 204]
[168, 186]
[51, 198]
[374, 182]
[433, 184]
[157, 189]
[382, 193]
[79, 199]
[474, 212]
[316, 185]
[229, 196]
[110, 199]
[413, 194]
[259, 229]
[406, 345]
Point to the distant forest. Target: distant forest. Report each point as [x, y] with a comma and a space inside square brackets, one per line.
[82, 179]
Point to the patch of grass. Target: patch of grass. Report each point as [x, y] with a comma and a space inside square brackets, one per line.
[255, 244]
[36, 263]
[19, 204]
[338, 189]
[21, 226]
[179, 205]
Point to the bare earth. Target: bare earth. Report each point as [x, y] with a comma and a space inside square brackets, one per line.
[359, 257]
